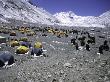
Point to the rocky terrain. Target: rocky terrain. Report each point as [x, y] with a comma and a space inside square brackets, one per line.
[24, 12]
[62, 63]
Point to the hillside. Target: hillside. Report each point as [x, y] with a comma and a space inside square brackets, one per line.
[22, 10]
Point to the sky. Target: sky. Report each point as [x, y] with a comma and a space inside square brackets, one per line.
[79, 7]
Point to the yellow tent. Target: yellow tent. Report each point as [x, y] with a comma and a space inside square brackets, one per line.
[50, 31]
[38, 45]
[12, 33]
[14, 43]
[61, 33]
[22, 50]
[30, 34]
[23, 39]
[27, 30]
[22, 31]
[56, 32]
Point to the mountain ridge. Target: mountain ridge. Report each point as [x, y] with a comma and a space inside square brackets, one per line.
[71, 19]
[23, 10]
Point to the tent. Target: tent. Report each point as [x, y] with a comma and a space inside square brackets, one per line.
[14, 43]
[2, 39]
[26, 44]
[37, 51]
[22, 50]
[23, 39]
[38, 45]
[13, 33]
[30, 34]
[6, 56]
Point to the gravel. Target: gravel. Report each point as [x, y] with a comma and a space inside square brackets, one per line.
[62, 63]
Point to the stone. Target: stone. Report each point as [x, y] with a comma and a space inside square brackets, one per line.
[67, 65]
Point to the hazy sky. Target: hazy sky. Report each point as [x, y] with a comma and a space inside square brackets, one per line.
[79, 7]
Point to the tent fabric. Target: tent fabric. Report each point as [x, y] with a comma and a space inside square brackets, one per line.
[13, 33]
[14, 43]
[23, 39]
[6, 56]
[26, 44]
[38, 45]
[37, 51]
[2, 39]
[50, 31]
[22, 50]
[30, 34]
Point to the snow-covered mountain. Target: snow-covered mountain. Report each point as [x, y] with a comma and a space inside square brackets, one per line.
[24, 11]
[71, 19]
[104, 18]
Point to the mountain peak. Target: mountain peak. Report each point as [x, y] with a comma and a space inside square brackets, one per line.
[106, 13]
[71, 19]
[69, 13]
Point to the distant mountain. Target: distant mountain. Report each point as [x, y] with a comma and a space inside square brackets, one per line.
[71, 19]
[104, 18]
[23, 10]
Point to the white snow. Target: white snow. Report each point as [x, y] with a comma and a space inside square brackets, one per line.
[23, 10]
[71, 19]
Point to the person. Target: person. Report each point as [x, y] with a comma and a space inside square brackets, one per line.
[37, 49]
[6, 56]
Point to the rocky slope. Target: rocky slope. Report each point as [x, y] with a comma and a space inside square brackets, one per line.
[23, 10]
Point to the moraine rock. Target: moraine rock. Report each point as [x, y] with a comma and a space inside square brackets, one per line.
[67, 65]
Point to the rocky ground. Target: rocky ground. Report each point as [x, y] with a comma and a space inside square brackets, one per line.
[62, 62]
